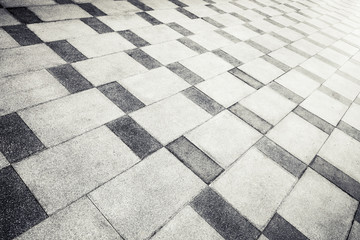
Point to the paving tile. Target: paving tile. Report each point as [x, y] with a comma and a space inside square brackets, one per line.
[286, 92]
[254, 176]
[168, 119]
[293, 129]
[160, 4]
[228, 222]
[314, 120]
[66, 51]
[193, 45]
[149, 18]
[241, 32]
[91, 9]
[298, 82]
[324, 106]
[306, 46]
[124, 22]
[206, 65]
[196, 25]
[22, 35]
[179, 29]
[6, 18]
[269, 41]
[99, 45]
[279, 228]
[201, 99]
[116, 7]
[54, 31]
[184, 73]
[6, 40]
[154, 85]
[318, 67]
[72, 80]
[343, 86]
[80, 220]
[134, 136]
[3, 161]
[242, 51]
[288, 34]
[246, 78]
[168, 15]
[109, 68]
[203, 166]
[187, 13]
[97, 25]
[227, 57]
[227, 19]
[133, 38]
[56, 180]
[352, 115]
[53, 122]
[17, 3]
[351, 68]
[14, 193]
[59, 12]
[210, 40]
[225, 88]
[28, 89]
[28, 58]
[224, 131]
[144, 59]
[121, 97]
[334, 56]
[201, 11]
[337, 177]
[169, 52]
[287, 57]
[140, 5]
[159, 181]
[24, 15]
[150, 34]
[266, 104]
[187, 224]
[309, 210]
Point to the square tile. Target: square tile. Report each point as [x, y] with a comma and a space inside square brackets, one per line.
[54, 31]
[25, 59]
[168, 119]
[14, 193]
[187, 224]
[151, 34]
[109, 68]
[324, 106]
[334, 56]
[124, 22]
[255, 185]
[66, 51]
[306, 46]
[131, 201]
[227, 19]
[289, 34]
[24, 15]
[352, 115]
[343, 152]
[269, 41]
[241, 32]
[57, 180]
[18, 3]
[261, 70]
[288, 57]
[206, 65]
[168, 15]
[59, 12]
[6, 19]
[102, 44]
[351, 68]
[268, 104]
[80, 220]
[116, 7]
[297, 82]
[318, 208]
[210, 40]
[318, 67]
[225, 89]
[224, 131]
[242, 51]
[197, 25]
[201, 11]
[343, 86]
[54, 122]
[28, 89]
[169, 52]
[154, 85]
[298, 137]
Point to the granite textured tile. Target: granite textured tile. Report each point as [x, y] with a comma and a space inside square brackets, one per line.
[187, 224]
[59, 12]
[196, 25]
[66, 51]
[116, 7]
[147, 17]
[203, 166]
[144, 59]
[22, 35]
[180, 29]
[154, 85]
[298, 137]
[6, 18]
[80, 220]
[224, 131]
[318, 67]
[168, 119]
[193, 45]
[246, 78]
[158, 182]
[97, 25]
[91, 9]
[18, 3]
[309, 210]
[14, 193]
[133, 38]
[7, 41]
[255, 176]
[3, 161]
[109, 68]
[53, 122]
[184, 73]
[24, 15]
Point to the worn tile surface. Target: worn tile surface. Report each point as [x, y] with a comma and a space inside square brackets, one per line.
[179, 119]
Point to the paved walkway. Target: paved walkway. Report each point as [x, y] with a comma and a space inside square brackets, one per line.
[179, 119]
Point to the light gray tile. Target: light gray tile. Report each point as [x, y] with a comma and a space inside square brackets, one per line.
[6, 40]
[243, 52]
[124, 22]
[151, 34]
[59, 12]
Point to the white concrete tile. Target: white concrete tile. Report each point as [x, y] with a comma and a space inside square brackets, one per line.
[3, 161]
[334, 56]
[24, 3]
[55, 122]
[343, 86]
[124, 22]
[355, 231]
[6, 40]
[151, 34]
[143, 198]
[269, 42]
[241, 32]
[224, 131]
[170, 118]
[7, 19]
[59, 12]
[243, 52]
[352, 69]
[298, 137]
[288, 57]
[227, 19]
[255, 185]
[289, 34]
[160, 4]
[318, 208]
[318, 67]
[210, 40]
[168, 15]
[201, 11]
[306, 46]
[62, 174]
[116, 7]
[196, 25]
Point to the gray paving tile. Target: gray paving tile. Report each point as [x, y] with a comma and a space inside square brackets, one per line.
[227, 57]
[140, 5]
[149, 18]
[187, 13]
[192, 45]
[91, 9]
[184, 73]
[180, 29]
[66, 51]
[97, 25]
[22, 35]
[246, 78]
[24, 15]
[349, 130]
[133, 38]
[286, 93]
[313, 119]
[144, 59]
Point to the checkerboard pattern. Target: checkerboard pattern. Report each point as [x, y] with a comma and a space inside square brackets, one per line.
[180, 119]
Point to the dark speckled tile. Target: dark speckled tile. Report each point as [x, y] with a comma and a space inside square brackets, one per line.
[23, 35]
[66, 51]
[184, 73]
[140, 5]
[64, 1]
[144, 59]
[133, 38]
[187, 13]
[178, 3]
[19, 210]
[134, 136]
[149, 18]
[17, 141]
[246, 78]
[97, 25]
[180, 29]
[91, 9]
[24, 15]
[225, 219]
